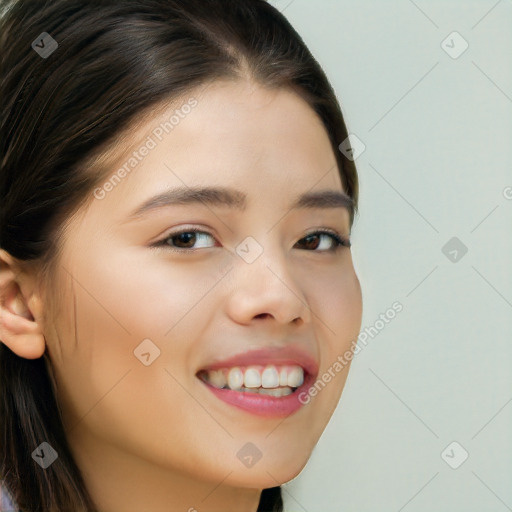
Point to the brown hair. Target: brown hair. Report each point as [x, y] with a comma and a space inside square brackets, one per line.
[114, 60]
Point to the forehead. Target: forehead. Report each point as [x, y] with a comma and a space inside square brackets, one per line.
[268, 142]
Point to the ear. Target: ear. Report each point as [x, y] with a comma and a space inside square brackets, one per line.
[18, 328]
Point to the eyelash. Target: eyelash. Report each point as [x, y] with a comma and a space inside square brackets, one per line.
[339, 240]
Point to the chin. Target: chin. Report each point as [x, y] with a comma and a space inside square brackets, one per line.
[270, 474]
[289, 472]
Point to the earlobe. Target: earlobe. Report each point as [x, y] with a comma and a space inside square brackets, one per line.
[18, 329]
[21, 335]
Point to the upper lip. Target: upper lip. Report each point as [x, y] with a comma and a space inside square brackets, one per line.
[288, 355]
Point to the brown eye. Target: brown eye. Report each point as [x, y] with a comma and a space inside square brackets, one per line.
[185, 240]
[313, 241]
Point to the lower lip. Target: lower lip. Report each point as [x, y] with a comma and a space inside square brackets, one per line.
[263, 405]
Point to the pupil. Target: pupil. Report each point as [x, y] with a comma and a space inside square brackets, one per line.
[308, 239]
[186, 237]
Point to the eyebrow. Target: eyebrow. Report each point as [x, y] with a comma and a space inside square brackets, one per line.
[235, 199]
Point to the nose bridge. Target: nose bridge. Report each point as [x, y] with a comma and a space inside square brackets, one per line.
[261, 255]
[264, 282]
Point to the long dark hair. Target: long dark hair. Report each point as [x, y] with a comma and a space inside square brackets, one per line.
[114, 60]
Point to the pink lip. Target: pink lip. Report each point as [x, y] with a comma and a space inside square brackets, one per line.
[265, 405]
[264, 356]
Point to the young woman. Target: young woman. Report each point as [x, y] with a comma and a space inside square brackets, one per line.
[176, 280]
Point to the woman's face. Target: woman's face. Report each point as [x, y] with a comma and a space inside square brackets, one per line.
[143, 312]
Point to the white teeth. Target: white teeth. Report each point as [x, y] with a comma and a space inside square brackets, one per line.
[283, 377]
[252, 378]
[235, 378]
[217, 378]
[271, 392]
[278, 381]
[269, 377]
[251, 390]
[277, 391]
[295, 377]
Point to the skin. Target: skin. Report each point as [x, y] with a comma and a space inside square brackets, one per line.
[149, 436]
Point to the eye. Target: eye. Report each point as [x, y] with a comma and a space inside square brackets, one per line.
[186, 240]
[335, 239]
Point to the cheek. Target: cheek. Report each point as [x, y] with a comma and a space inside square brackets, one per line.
[349, 310]
[338, 316]
[103, 386]
[152, 295]
[337, 306]
[103, 389]
[90, 352]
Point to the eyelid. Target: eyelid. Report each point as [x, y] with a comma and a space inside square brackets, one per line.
[337, 235]
[160, 243]
[340, 239]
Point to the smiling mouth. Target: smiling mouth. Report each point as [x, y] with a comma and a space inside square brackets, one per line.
[272, 380]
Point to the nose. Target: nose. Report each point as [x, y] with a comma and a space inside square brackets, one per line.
[266, 289]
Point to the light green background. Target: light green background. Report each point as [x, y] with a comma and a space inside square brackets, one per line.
[438, 158]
